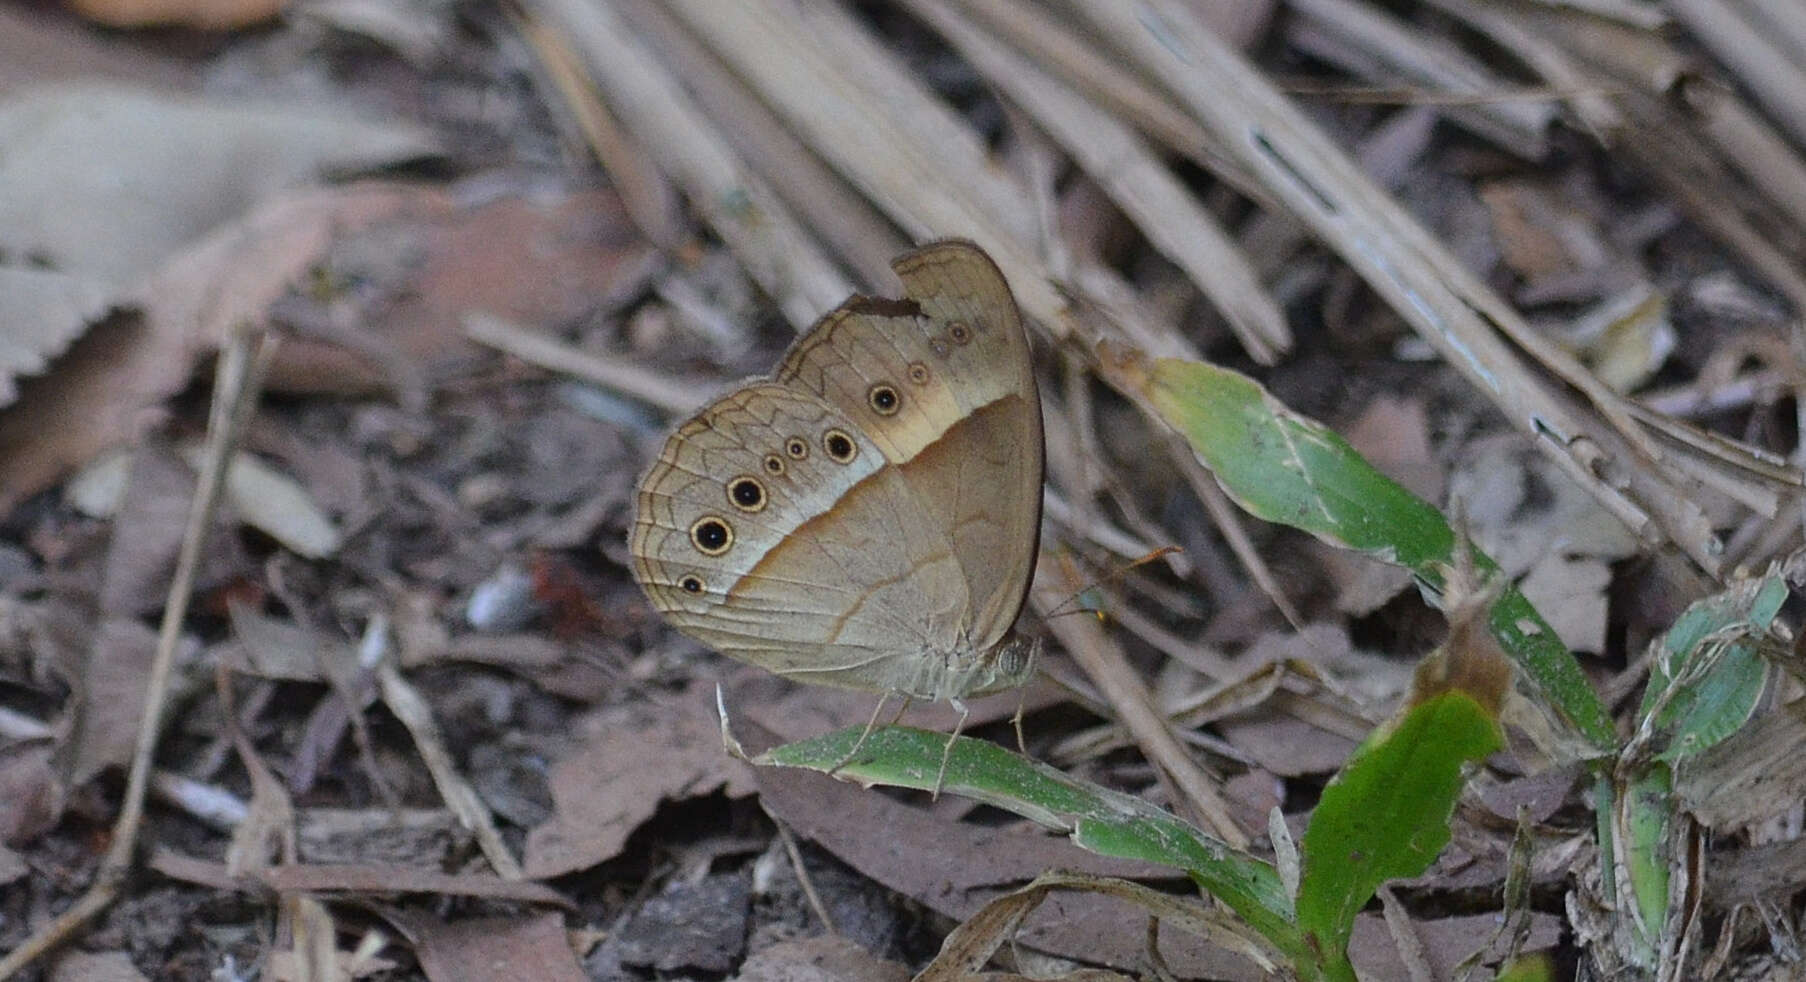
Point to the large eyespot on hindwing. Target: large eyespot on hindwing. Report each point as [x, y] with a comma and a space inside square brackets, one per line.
[884, 399]
[711, 535]
[839, 447]
[747, 493]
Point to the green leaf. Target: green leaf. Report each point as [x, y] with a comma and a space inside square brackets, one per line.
[1286, 468]
[1710, 673]
[1386, 815]
[1106, 822]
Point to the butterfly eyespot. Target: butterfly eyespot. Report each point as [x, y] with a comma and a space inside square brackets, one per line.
[691, 584]
[839, 446]
[711, 535]
[774, 464]
[796, 447]
[747, 493]
[918, 373]
[884, 400]
[938, 346]
[959, 332]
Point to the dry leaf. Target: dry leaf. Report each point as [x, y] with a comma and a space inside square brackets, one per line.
[824, 958]
[31, 798]
[107, 700]
[41, 312]
[496, 949]
[208, 15]
[109, 182]
[632, 758]
[108, 388]
[531, 261]
[272, 503]
[95, 966]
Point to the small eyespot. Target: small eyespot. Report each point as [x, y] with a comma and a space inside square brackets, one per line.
[691, 584]
[747, 493]
[918, 373]
[959, 332]
[774, 464]
[711, 536]
[796, 447]
[938, 346]
[883, 399]
[839, 446]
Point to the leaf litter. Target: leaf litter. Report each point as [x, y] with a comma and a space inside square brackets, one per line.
[405, 464]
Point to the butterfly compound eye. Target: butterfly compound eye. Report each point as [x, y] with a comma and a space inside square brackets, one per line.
[711, 536]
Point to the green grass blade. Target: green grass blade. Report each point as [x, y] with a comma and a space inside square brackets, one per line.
[1106, 822]
[1289, 469]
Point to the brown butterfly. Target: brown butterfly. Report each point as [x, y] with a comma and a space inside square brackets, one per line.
[867, 516]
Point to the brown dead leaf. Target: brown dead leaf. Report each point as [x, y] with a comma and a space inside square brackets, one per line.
[1446, 941]
[95, 966]
[12, 866]
[631, 758]
[1538, 233]
[41, 311]
[495, 949]
[39, 45]
[530, 261]
[110, 182]
[1518, 505]
[824, 958]
[147, 533]
[31, 798]
[206, 15]
[107, 699]
[1394, 435]
[1283, 744]
[1569, 591]
[108, 388]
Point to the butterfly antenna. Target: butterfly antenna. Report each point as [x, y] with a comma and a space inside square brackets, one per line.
[1113, 576]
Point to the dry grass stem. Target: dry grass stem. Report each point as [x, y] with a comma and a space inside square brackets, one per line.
[1137, 181]
[773, 246]
[1368, 43]
[673, 396]
[1745, 45]
[852, 229]
[408, 706]
[237, 381]
[1128, 697]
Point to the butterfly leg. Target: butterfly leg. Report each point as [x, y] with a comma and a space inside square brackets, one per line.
[870, 725]
[940, 778]
[1016, 722]
[894, 720]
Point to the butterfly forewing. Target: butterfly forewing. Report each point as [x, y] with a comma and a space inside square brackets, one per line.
[897, 458]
